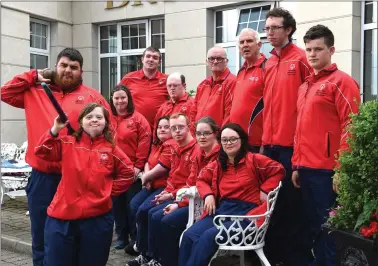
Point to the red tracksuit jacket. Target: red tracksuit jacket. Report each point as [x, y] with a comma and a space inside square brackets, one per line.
[133, 136]
[148, 94]
[213, 98]
[324, 103]
[179, 162]
[23, 92]
[284, 75]
[93, 170]
[157, 151]
[247, 104]
[254, 173]
[200, 161]
[183, 105]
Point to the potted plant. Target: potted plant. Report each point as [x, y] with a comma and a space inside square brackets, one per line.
[354, 223]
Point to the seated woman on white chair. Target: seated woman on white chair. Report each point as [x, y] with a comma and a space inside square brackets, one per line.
[240, 181]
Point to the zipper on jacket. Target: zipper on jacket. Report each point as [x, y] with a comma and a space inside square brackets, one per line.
[271, 113]
[300, 124]
[328, 145]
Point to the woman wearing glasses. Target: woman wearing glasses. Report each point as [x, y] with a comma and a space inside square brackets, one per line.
[175, 216]
[240, 182]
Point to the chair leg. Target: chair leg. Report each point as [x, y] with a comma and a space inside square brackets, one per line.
[264, 260]
[213, 257]
[242, 258]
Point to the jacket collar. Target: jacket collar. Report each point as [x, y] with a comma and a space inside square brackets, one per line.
[187, 146]
[183, 98]
[87, 140]
[285, 50]
[213, 152]
[258, 63]
[325, 72]
[220, 79]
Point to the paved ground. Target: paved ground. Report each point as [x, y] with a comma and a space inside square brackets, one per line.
[16, 238]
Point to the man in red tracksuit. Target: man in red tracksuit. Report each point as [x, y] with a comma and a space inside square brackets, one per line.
[148, 85]
[24, 91]
[285, 71]
[247, 106]
[325, 101]
[214, 94]
[179, 100]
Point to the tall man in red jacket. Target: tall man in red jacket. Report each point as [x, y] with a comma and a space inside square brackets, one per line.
[214, 94]
[24, 91]
[325, 102]
[247, 102]
[148, 85]
[285, 71]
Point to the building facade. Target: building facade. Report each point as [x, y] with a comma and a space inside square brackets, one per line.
[111, 35]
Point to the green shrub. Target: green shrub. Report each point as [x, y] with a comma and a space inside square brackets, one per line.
[358, 172]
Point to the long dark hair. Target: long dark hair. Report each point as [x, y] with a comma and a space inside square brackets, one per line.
[130, 102]
[157, 141]
[86, 110]
[244, 148]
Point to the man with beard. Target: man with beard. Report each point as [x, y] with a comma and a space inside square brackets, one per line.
[148, 85]
[24, 91]
[248, 104]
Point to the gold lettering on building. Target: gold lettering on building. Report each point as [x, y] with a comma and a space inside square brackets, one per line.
[110, 4]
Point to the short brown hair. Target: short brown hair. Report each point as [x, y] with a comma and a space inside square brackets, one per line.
[152, 49]
[177, 115]
[288, 19]
[318, 32]
[86, 110]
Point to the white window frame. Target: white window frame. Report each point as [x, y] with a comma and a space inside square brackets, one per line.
[121, 52]
[365, 27]
[42, 51]
[234, 43]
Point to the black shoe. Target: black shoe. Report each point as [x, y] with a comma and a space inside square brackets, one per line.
[129, 249]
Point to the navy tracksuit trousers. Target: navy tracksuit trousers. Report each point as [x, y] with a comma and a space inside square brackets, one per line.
[125, 224]
[198, 242]
[283, 230]
[140, 205]
[40, 191]
[317, 199]
[80, 242]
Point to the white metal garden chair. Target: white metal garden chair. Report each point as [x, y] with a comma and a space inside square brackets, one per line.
[243, 233]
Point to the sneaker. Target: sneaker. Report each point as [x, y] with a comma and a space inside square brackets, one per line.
[129, 249]
[119, 244]
[138, 261]
[152, 263]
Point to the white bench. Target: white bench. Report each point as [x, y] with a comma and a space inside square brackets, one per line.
[14, 170]
[238, 236]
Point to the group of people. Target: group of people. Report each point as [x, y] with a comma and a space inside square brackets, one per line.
[281, 119]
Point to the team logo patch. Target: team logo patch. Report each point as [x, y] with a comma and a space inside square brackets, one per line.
[255, 79]
[130, 124]
[183, 108]
[104, 159]
[291, 70]
[161, 81]
[80, 99]
[321, 91]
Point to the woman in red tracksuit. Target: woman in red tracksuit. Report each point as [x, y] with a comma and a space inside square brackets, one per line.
[133, 136]
[240, 180]
[79, 226]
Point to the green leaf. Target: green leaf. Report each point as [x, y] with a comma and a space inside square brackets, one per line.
[365, 215]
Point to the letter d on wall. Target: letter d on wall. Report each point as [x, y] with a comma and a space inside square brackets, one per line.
[109, 4]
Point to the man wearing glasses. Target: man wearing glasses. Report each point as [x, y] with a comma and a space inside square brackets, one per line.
[179, 100]
[285, 71]
[248, 104]
[214, 94]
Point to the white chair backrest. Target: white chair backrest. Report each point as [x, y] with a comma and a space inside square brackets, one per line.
[8, 151]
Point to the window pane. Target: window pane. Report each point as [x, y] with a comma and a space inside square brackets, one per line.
[368, 12]
[108, 75]
[218, 18]
[44, 43]
[252, 25]
[255, 14]
[134, 30]
[155, 26]
[38, 30]
[125, 31]
[218, 35]
[142, 42]
[162, 64]
[163, 41]
[264, 10]
[126, 43]
[266, 48]
[38, 61]
[134, 43]
[32, 28]
[240, 27]
[163, 26]
[44, 30]
[108, 32]
[108, 46]
[142, 29]
[155, 41]
[231, 55]
[130, 63]
[244, 15]
[261, 26]
[370, 65]
[37, 43]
